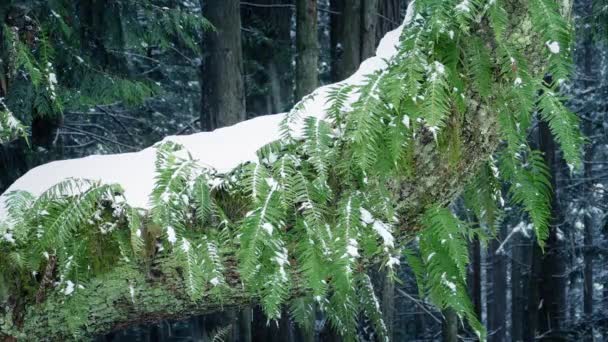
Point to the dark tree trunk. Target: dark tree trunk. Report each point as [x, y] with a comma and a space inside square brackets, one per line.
[449, 329]
[519, 268]
[346, 34]
[389, 16]
[388, 305]
[273, 54]
[552, 278]
[474, 276]
[496, 295]
[307, 47]
[244, 323]
[223, 93]
[369, 26]
[356, 29]
[533, 284]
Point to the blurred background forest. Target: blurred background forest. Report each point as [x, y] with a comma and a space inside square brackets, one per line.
[110, 76]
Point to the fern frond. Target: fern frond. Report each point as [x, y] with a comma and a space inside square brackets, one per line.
[531, 188]
[444, 256]
[318, 145]
[564, 125]
[370, 306]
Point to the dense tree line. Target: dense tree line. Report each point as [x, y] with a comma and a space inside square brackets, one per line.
[103, 76]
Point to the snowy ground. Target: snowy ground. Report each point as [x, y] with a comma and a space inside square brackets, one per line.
[222, 149]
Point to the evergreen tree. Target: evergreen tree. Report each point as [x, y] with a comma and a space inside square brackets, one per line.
[303, 224]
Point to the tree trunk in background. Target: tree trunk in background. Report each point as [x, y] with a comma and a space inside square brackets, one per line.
[518, 286]
[552, 276]
[586, 59]
[496, 295]
[369, 24]
[307, 56]
[389, 16]
[274, 55]
[533, 284]
[346, 34]
[223, 95]
[449, 329]
[474, 276]
[244, 323]
[356, 30]
[388, 305]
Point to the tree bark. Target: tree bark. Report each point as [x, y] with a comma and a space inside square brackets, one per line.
[356, 30]
[388, 305]
[346, 34]
[389, 16]
[307, 56]
[496, 295]
[552, 279]
[518, 285]
[449, 329]
[274, 54]
[223, 91]
[369, 16]
[474, 276]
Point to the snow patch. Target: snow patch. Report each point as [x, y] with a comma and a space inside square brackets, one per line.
[268, 228]
[553, 47]
[171, 235]
[384, 230]
[69, 288]
[221, 150]
[464, 6]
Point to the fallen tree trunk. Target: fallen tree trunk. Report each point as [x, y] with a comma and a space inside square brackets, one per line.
[146, 298]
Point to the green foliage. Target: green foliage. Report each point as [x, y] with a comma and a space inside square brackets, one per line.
[600, 19]
[530, 187]
[221, 334]
[564, 125]
[548, 20]
[441, 268]
[319, 206]
[59, 57]
[10, 128]
[483, 196]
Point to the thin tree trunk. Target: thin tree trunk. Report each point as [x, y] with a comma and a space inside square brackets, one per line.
[388, 305]
[449, 329]
[518, 265]
[552, 281]
[307, 47]
[244, 322]
[496, 296]
[223, 93]
[474, 276]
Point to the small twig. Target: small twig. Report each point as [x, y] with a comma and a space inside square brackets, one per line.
[188, 125]
[99, 137]
[417, 302]
[120, 123]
